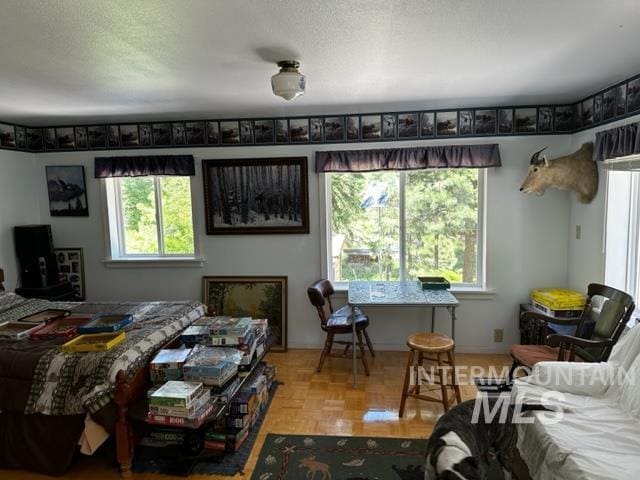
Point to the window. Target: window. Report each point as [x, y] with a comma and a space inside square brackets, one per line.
[392, 225]
[622, 232]
[150, 217]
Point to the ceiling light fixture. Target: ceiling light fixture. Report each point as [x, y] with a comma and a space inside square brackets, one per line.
[289, 82]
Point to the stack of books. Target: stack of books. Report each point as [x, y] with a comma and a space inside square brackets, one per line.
[242, 333]
[243, 412]
[164, 437]
[168, 365]
[196, 335]
[231, 331]
[213, 366]
[258, 386]
[260, 326]
[230, 434]
[184, 404]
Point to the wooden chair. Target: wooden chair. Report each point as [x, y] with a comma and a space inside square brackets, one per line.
[610, 319]
[338, 322]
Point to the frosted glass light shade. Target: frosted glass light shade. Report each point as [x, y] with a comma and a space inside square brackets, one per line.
[288, 83]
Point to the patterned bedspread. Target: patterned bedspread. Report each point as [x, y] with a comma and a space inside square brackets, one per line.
[76, 383]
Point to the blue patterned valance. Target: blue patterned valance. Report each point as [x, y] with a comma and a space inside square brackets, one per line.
[139, 166]
[416, 158]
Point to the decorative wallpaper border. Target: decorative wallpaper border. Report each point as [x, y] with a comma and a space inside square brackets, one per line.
[608, 105]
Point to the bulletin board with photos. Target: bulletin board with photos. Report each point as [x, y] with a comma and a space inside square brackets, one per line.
[71, 268]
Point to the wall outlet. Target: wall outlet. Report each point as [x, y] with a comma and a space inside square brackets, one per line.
[578, 232]
[498, 335]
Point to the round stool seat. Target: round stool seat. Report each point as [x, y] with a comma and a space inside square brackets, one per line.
[430, 342]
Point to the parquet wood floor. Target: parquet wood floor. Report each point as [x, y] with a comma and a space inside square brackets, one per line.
[318, 403]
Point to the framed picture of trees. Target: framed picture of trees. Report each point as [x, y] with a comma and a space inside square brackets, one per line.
[256, 297]
[258, 195]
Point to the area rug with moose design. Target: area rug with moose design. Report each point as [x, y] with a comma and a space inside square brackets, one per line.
[340, 458]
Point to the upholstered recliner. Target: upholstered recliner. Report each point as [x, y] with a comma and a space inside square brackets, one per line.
[338, 322]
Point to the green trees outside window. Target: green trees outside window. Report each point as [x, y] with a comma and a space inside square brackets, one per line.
[156, 215]
[439, 210]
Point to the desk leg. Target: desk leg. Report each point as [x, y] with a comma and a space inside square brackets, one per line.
[353, 344]
[452, 312]
[433, 319]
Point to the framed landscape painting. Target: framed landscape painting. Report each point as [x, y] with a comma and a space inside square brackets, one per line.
[256, 297]
[256, 196]
[67, 191]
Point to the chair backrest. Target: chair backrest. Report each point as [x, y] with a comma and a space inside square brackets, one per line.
[320, 297]
[615, 310]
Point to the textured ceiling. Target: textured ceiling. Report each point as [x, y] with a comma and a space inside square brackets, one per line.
[66, 61]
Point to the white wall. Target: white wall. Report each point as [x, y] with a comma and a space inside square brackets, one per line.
[519, 228]
[586, 255]
[19, 204]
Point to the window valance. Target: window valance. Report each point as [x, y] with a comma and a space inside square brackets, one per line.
[415, 158]
[142, 165]
[617, 142]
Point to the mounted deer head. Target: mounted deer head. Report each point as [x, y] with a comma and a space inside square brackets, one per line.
[577, 172]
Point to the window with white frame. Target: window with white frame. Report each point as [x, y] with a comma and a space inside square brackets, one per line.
[391, 225]
[622, 231]
[150, 217]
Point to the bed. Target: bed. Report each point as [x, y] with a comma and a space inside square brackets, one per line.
[50, 401]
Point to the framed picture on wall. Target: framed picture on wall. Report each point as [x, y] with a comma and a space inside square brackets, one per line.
[67, 191]
[465, 122]
[564, 118]
[485, 121]
[97, 136]
[7, 135]
[34, 139]
[407, 125]
[255, 196]
[263, 131]
[299, 130]
[71, 268]
[526, 120]
[256, 297]
[21, 137]
[371, 126]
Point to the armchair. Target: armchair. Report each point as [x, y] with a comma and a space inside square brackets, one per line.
[608, 307]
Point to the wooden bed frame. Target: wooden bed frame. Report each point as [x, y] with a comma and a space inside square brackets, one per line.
[126, 392]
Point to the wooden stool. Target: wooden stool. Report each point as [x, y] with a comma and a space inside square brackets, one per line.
[431, 347]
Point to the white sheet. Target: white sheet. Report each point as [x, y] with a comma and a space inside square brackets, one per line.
[598, 436]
